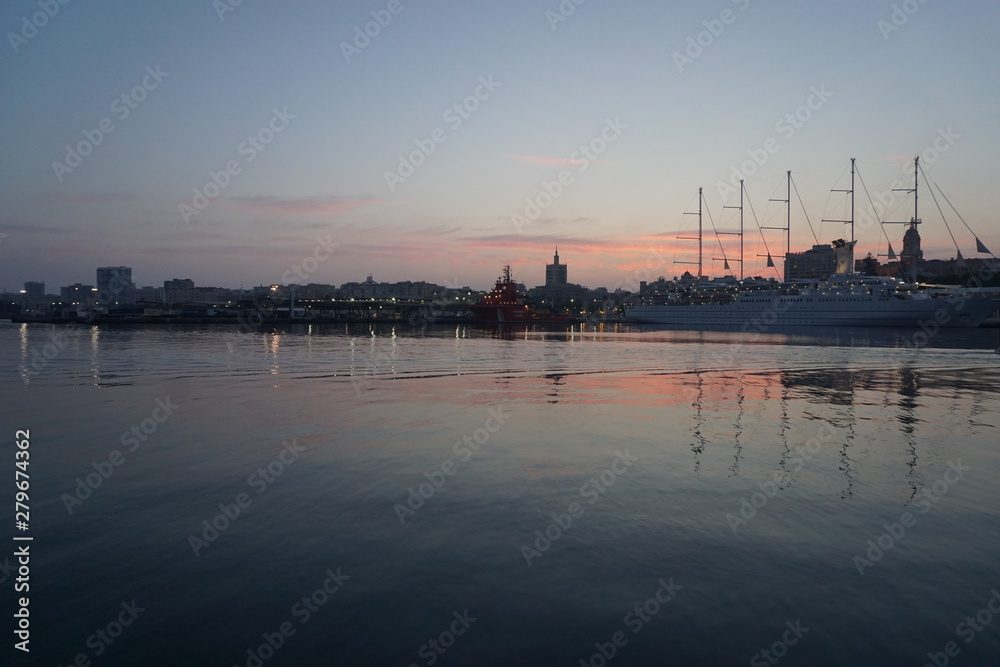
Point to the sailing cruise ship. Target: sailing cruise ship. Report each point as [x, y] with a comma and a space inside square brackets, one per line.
[844, 299]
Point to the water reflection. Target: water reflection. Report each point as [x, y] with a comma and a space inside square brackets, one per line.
[760, 406]
[698, 446]
[783, 427]
[95, 354]
[846, 464]
[555, 352]
[845, 337]
[738, 424]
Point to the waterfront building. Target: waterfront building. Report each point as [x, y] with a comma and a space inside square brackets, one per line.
[115, 286]
[817, 263]
[77, 294]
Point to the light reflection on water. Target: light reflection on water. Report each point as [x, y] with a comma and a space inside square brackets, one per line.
[710, 416]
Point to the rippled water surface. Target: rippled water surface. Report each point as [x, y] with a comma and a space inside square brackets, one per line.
[511, 497]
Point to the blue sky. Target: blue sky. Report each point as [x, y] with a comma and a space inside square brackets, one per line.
[553, 86]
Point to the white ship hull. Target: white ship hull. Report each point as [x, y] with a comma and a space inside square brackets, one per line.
[873, 311]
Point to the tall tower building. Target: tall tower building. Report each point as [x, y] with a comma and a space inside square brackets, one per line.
[911, 244]
[912, 255]
[555, 273]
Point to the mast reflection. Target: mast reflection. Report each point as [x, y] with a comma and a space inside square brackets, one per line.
[698, 446]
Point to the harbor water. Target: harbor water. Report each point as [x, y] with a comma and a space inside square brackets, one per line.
[452, 495]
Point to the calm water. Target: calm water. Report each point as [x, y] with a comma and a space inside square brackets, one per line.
[740, 480]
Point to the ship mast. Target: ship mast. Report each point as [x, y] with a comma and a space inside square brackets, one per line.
[914, 221]
[788, 219]
[739, 233]
[851, 221]
[788, 222]
[698, 238]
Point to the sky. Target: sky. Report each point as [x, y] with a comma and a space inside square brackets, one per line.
[236, 144]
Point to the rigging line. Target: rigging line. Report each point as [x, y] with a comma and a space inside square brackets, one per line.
[763, 240]
[678, 237]
[874, 210]
[950, 204]
[717, 238]
[952, 207]
[815, 238]
[829, 196]
[820, 171]
[946, 225]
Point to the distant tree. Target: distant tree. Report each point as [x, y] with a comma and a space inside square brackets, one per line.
[869, 266]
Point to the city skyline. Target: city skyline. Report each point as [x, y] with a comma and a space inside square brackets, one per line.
[448, 141]
[555, 273]
[115, 278]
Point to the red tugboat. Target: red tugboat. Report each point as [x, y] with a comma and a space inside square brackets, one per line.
[505, 303]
